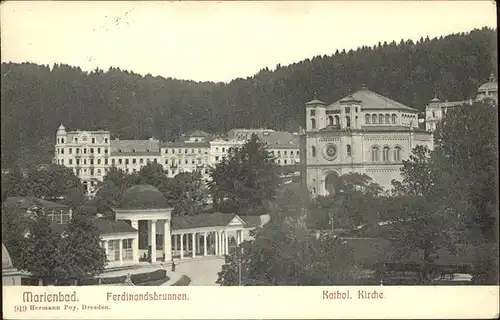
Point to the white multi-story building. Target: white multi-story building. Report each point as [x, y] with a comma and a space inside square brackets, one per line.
[283, 146]
[131, 155]
[190, 153]
[436, 109]
[365, 133]
[245, 134]
[92, 153]
[219, 148]
[88, 153]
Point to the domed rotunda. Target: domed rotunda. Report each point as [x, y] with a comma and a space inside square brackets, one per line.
[10, 275]
[146, 202]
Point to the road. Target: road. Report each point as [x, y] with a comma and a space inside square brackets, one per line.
[203, 272]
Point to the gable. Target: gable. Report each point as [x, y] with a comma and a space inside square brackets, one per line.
[236, 222]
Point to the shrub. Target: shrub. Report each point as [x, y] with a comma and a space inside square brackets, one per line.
[149, 276]
[89, 282]
[113, 280]
[183, 281]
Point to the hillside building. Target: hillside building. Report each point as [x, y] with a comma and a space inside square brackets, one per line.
[364, 132]
[90, 154]
[436, 109]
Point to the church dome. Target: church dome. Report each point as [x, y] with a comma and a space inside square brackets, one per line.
[315, 101]
[143, 196]
[490, 86]
[6, 260]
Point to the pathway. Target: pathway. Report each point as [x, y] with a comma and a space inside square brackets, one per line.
[202, 271]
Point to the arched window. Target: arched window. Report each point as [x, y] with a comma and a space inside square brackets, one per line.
[385, 154]
[313, 123]
[387, 119]
[330, 120]
[348, 147]
[337, 120]
[393, 118]
[433, 114]
[313, 151]
[380, 118]
[375, 154]
[356, 122]
[314, 190]
[397, 154]
[348, 121]
[367, 119]
[374, 118]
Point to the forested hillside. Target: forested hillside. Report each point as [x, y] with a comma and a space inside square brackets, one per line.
[36, 99]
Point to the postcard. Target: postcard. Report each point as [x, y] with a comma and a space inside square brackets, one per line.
[249, 160]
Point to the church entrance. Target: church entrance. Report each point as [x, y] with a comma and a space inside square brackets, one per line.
[332, 183]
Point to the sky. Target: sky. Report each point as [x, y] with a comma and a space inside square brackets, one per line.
[218, 41]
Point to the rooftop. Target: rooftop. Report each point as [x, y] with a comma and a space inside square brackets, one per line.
[315, 101]
[197, 133]
[202, 220]
[134, 146]
[143, 197]
[6, 260]
[182, 144]
[28, 202]
[370, 100]
[488, 87]
[104, 226]
[280, 138]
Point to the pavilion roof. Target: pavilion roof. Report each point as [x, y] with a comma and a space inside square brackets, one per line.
[216, 219]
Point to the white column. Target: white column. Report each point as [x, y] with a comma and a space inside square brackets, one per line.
[193, 249]
[205, 244]
[167, 245]
[153, 241]
[121, 250]
[149, 233]
[216, 242]
[238, 237]
[226, 240]
[222, 246]
[182, 245]
[106, 249]
[135, 242]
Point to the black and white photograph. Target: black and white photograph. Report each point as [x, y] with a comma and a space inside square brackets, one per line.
[322, 143]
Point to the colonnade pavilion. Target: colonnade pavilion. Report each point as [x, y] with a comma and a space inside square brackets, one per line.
[181, 237]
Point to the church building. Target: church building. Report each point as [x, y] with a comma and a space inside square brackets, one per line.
[363, 132]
